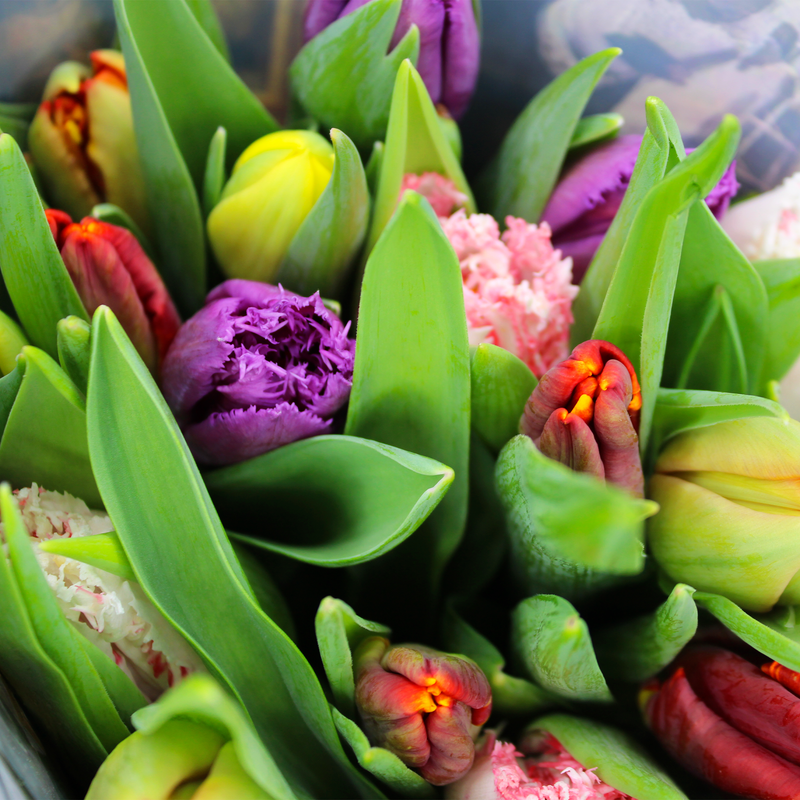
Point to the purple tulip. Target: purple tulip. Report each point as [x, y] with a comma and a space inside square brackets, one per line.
[449, 43]
[256, 368]
[586, 199]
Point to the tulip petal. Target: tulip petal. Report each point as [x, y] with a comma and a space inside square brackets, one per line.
[568, 439]
[461, 56]
[319, 14]
[452, 749]
[430, 18]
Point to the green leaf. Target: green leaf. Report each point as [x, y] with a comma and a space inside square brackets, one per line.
[542, 500]
[510, 696]
[501, 385]
[344, 76]
[616, 758]
[9, 387]
[200, 699]
[339, 631]
[636, 650]
[16, 128]
[595, 128]
[205, 14]
[530, 158]
[373, 168]
[74, 349]
[184, 563]
[12, 340]
[215, 174]
[338, 500]
[23, 111]
[415, 143]
[411, 381]
[636, 310]
[114, 215]
[44, 440]
[330, 237]
[553, 644]
[34, 274]
[103, 550]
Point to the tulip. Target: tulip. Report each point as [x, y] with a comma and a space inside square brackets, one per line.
[588, 195]
[585, 414]
[82, 139]
[274, 185]
[421, 704]
[730, 511]
[256, 368]
[449, 46]
[730, 722]
[109, 267]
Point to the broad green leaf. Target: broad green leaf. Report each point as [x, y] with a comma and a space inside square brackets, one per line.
[325, 246]
[215, 174]
[59, 639]
[384, 765]
[332, 500]
[510, 696]
[781, 278]
[411, 381]
[501, 385]
[16, 128]
[595, 128]
[33, 272]
[74, 350]
[44, 440]
[12, 340]
[552, 642]
[23, 111]
[339, 631]
[205, 14]
[414, 144]
[530, 158]
[9, 386]
[636, 310]
[184, 563]
[103, 550]
[570, 532]
[616, 758]
[114, 215]
[344, 76]
[200, 699]
[636, 650]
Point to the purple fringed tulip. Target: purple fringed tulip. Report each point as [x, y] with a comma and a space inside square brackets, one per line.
[586, 199]
[449, 42]
[256, 368]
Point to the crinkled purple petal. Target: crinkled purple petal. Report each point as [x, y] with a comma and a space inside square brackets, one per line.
[319, 14]
[461, 48]
[429, 17]
[581, 251]
[228, 437]
[253, 293]
[721, 195]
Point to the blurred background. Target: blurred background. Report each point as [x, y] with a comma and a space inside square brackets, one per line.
[702, 57]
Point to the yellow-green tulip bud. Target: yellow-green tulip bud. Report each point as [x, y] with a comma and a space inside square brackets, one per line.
[227, 780]
[730, 511]
[274, 185]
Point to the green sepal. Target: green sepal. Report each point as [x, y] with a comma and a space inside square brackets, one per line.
[339, 631]
[617, 759]
[103, 551]
[114, 215]
[553, 645]
[74, 350]
[215, 175]
[542, 500]
[34, 274]
[595, 128]
[523, 175]
[12, 340]
[415, 143]
[638, 649]
[328, 241]
[344, 76]
[501, 385]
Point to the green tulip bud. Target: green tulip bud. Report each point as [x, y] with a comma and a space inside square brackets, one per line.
[274, 185]
[730, 511]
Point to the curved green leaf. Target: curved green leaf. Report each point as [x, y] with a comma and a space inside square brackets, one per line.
[33, 272]
[618, 760]
[9, 387]
[325, 246]
[530, 158]
[74, 350]
[184, 563]
[205, 14]
[17, 129]
[344, 76]
[103, 550]
[595, 128]
[214, 176]
[337, 500]
[114, 215]
[12, 340]
[636, 650]
[553, 644]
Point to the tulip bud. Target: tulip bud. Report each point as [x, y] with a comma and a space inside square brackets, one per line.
[730, 511]
[585, 414]
[728, 722]
[421, 704]
[83, 142]
[256, 368]
[109, 267]
[274, 185]
[449, 42]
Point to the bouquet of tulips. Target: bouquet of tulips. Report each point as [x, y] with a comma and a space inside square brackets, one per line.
[258, 382]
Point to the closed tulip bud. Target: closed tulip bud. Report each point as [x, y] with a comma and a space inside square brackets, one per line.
[82, 139]
[421, 705]
[730, 511]
[109, 267]
[585, 414]
[274, 185]
[730, 722]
